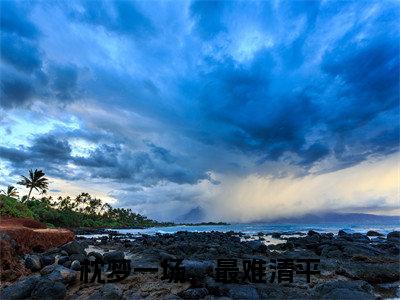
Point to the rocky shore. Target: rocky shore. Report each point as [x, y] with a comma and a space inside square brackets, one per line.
[352, 266]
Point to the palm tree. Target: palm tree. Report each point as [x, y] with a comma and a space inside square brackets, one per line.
[11, 191]
[35, 181]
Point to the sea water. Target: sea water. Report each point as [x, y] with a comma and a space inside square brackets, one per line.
[252, 229]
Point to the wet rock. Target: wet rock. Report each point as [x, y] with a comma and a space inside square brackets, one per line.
[33, 263]
[340, 294]
[276, 235]
[76, 265]
[113, 255]
[256, 246]
[67, 264]
[21, 289]
[374, 233]
[312, 232]
[84, 244]
[111, 291]
[62, 260]
[193, 293]
[164, 256]
[242, 291]
[330, 251]
[59, 273]
[78, 257]
[48, 260]
[390, 247]
[95, 255]
[49, 290]
[369, 272]
[342, 289]
[197, 269]
[393, 236]
[358, 237]
[73, 247]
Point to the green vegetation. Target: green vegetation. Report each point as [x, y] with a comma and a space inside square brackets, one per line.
[81, 211]
[13, 208]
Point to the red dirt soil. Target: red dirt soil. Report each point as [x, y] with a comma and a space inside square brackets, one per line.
[33, 235]
[29, 235]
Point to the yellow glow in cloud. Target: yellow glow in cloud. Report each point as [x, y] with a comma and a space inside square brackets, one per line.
[372, 186]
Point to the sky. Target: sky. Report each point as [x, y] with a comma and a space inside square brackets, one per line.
[248, 110]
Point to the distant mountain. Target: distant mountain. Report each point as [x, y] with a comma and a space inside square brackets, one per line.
[336, 218]
[195, 215]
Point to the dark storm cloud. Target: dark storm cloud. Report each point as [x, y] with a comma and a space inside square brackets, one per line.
[298, 82]
[27, 74]
[139, 167]
[64, 81]
[56, 82]
[16, 90]
[116, 162]
[45, 149]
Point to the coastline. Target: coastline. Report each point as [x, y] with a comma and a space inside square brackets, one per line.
[352, 265]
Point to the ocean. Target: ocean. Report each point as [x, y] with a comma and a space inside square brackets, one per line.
[252, 229]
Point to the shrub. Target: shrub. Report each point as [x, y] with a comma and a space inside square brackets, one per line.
[13, 208]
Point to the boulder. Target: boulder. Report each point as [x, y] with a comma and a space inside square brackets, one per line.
[33, 263]
[312, 232]
[76, 265]
[164, 256]
[95, 255]
[256, 246]
[393, 236]
[47, 260]
[21, 289]
[276, 235]
[354, 248]
[242, 291]
[370, 272]
[340, 294]
[113, 255]
[49, 290]
[358, 237]
[78, 257]
[374, 233]
[59, 273]
[67, 264]
[73, 247]
[331, 251]
[343, 289]
[62, 260]
[111, 291]
[193, 293]
[197, 269]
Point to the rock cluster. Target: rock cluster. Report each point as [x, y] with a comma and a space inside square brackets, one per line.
[352, 266]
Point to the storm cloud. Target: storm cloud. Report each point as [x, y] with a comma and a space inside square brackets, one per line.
[155, 95]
